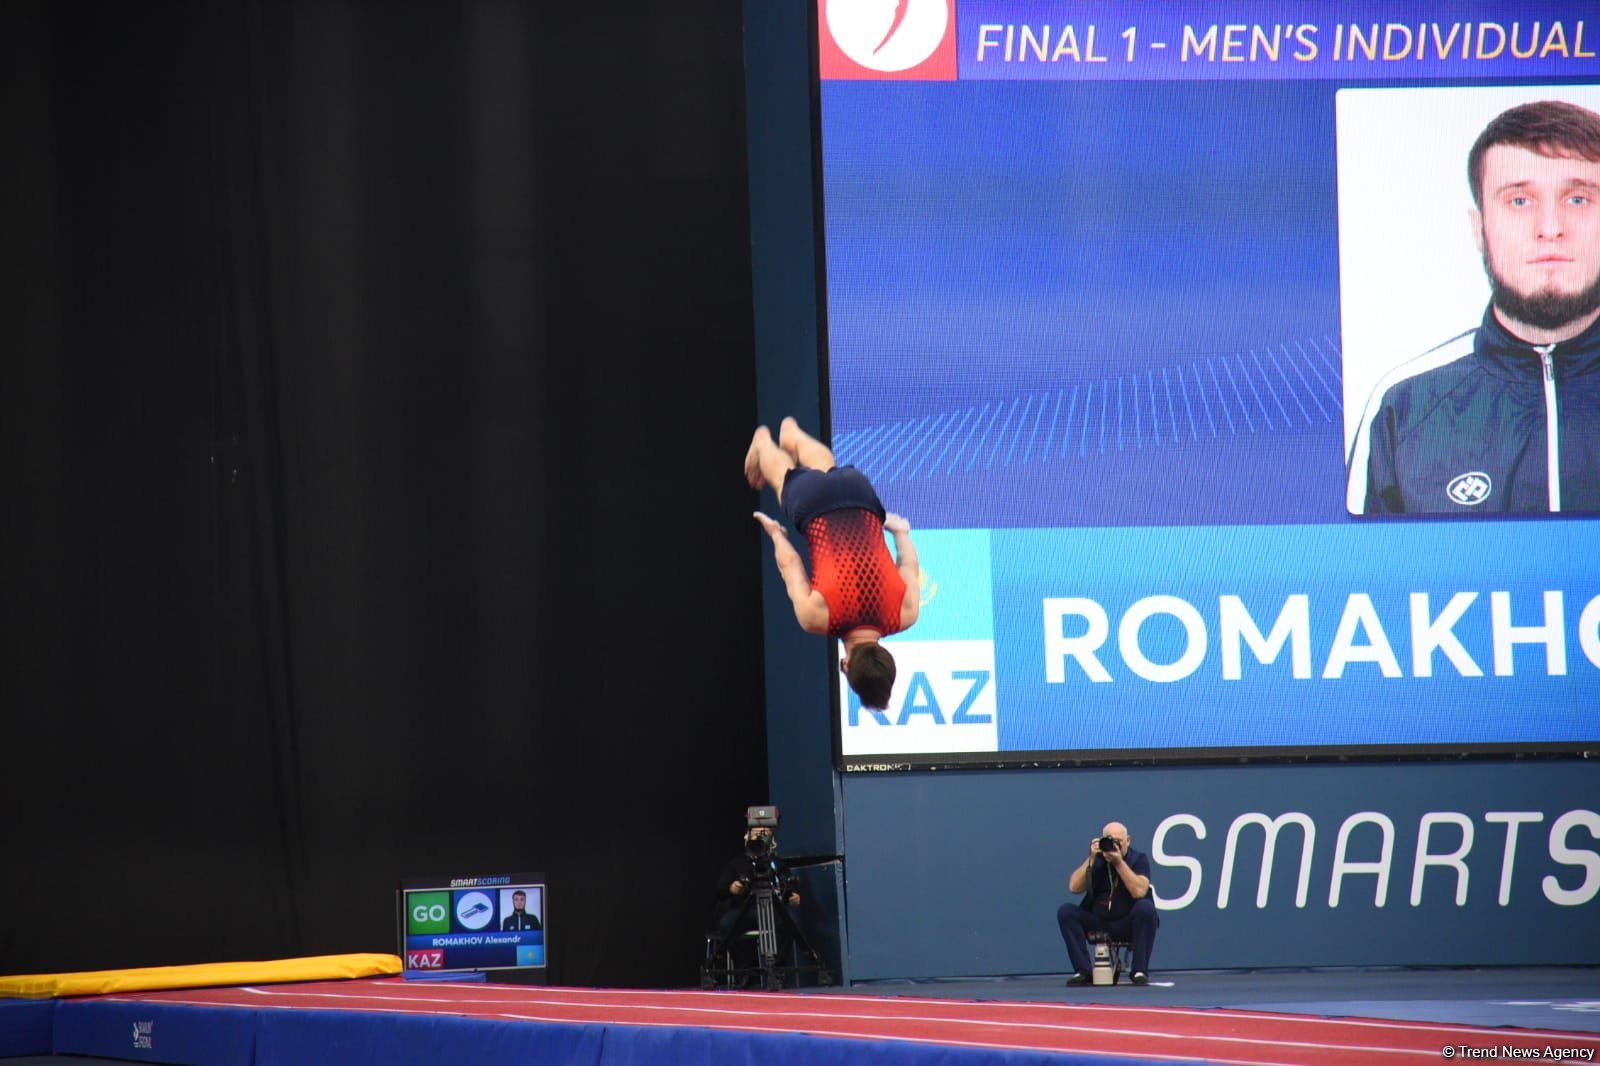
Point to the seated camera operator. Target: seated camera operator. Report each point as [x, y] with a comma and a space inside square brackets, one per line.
[740, 877]
[1115, 882]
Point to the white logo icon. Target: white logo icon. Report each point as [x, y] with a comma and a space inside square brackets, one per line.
[473, 910]
[887, 35]
[1469, 489]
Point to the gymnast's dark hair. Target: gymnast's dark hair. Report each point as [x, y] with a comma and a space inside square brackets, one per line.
[871, 675]
[1549, 127]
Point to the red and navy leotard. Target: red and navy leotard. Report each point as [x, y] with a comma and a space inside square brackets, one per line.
[852, 568]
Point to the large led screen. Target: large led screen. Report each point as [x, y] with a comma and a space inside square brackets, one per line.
[1168, 327]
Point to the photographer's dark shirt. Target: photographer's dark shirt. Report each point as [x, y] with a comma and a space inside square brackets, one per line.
[743, 868]
[1107, 895]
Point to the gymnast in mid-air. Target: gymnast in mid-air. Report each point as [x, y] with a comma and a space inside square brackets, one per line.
[856, 591]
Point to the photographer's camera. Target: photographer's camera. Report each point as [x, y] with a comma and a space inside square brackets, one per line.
[759, 845]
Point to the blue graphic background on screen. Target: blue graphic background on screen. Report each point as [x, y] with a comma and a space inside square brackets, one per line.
[955, 590]
[491, 957]
[1069, 304]
[1267, 707]
[525, 937]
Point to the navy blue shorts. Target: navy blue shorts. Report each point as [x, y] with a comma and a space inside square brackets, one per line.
[808, 492]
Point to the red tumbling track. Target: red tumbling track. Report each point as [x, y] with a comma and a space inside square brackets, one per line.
[1246, 1038]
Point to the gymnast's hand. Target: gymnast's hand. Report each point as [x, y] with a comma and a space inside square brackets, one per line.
[773, 528]
[896, 523]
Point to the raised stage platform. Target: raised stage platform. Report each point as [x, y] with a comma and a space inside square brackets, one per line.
[1252, 1018]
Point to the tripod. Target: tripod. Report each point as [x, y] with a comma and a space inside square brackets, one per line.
[719, 966]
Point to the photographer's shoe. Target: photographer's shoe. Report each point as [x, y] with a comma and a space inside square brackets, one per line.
[1141, 978]
[1078, 980]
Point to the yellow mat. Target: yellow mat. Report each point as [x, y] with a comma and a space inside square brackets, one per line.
[200, 975]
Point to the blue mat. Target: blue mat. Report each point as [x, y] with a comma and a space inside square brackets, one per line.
[26, 1026]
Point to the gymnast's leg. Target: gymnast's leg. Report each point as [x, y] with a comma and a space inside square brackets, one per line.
[766, 463]
[806, 449]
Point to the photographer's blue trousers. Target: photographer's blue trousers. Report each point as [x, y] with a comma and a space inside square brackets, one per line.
[1137, 927]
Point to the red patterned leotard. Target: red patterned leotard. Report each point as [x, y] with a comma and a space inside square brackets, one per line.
[852, 568]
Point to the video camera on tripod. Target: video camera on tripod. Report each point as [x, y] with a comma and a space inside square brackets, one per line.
[768, 886]
[762, 850]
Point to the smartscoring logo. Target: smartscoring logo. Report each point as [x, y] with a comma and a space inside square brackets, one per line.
[427, 912]
[479, 882]
[887, 39]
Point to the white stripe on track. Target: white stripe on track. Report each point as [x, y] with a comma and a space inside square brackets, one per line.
[1127, 1056]
[769, 1021]
[762, 1002]
[731, 1014]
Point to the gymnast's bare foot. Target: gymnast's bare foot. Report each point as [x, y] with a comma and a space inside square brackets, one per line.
[752, 458]
[805, 449]
[790, 435]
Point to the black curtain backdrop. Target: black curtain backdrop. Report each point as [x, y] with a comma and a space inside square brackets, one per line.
[375, 381]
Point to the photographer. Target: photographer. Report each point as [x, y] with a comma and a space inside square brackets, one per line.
[741, 875]
[1115, 883]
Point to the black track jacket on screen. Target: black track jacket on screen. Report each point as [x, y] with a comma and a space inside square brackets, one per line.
[1475, 426]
